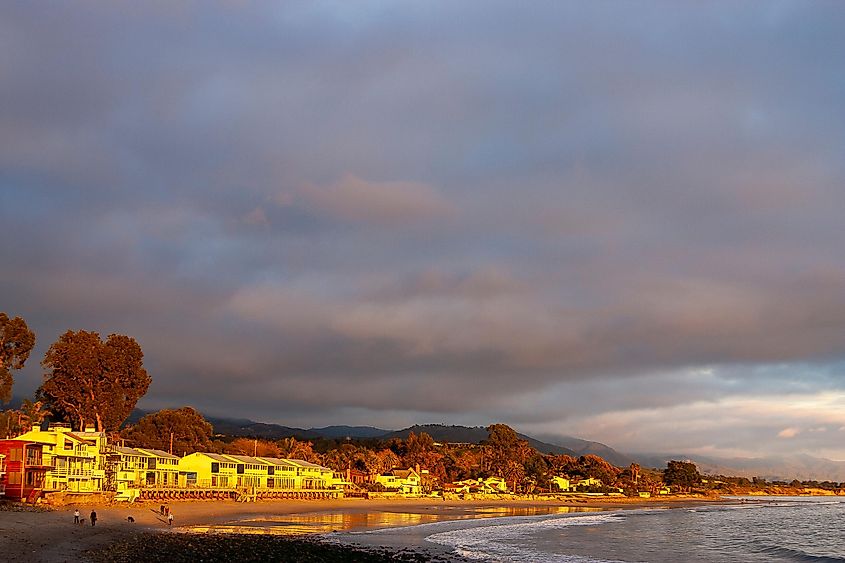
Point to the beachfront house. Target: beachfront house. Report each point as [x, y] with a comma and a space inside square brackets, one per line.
[129, 467]
[489, 486]
[281, 474]
[74, 464]
[405, 481]
[25, 469]
[251, 472]
[2, 474]
[312, 477]
[162, 469]
[207, 471]
[560, 484]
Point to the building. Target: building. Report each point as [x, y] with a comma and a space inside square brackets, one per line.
[312, 477]
[252, 472]
[74, 462]
[281, 474]
[162, 469]
[2, 474]
[207, 471]
[405, 481]
[25, 469]
[129, 468]
[560, 484]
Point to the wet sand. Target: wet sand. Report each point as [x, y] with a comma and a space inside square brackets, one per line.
[51, 536]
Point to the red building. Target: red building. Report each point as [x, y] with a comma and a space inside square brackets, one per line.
[24, 479]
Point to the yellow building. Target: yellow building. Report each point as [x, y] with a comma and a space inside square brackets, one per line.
[281, 474]
[162, 469]
[560, 483]
[251, 472]
[405, 481]
[207, 471]
[129, 469]
[75, 462]
[310, 476]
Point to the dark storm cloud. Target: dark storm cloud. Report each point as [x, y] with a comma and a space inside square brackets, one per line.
[395, 210]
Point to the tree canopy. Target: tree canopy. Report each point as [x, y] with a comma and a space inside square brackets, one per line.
[187, 427]
[91, 381]
[683, 474]
[16, 342]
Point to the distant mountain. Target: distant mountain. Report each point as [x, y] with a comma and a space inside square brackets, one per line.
[585, 447]
[252, 429]
[472, 435]
[775, 468]
[349, 432]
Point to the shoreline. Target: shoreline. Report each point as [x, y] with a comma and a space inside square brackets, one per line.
[36, 534]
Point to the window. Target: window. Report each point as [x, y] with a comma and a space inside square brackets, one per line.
[215, 467]
[271, 471]
[240, 469]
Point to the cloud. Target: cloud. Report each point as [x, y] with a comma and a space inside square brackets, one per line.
[788, 433]
[555, 217]
[388, 204]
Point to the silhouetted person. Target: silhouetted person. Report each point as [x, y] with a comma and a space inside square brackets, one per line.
[76, 516]
[93, 518]
[169, 518]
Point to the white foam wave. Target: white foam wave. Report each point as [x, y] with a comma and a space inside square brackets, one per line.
[505, 541]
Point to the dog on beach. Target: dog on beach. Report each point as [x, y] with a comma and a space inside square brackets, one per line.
[130, 519]
[82, 521]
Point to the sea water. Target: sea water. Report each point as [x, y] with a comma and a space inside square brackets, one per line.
[758, 529]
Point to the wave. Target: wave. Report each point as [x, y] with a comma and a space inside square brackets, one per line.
[502, 539]
[798, 555]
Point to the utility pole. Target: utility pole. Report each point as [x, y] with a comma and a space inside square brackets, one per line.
[255, 449]
[171, 443]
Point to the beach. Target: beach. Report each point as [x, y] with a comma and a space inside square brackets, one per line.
[50, 536]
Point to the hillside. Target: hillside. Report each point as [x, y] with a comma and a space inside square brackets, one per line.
[473, 435]
[781, 468]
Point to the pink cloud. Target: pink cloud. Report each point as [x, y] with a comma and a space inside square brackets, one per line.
[384, 203]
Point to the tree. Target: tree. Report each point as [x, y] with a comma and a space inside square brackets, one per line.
[93, 381]
[253, 447]
[508, 453]
[681, 474]
[291, 448]
[186, 427]
[16, 342]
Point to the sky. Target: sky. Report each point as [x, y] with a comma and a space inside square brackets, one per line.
[620, 221]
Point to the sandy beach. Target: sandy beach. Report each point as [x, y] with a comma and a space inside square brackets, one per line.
[51, 536]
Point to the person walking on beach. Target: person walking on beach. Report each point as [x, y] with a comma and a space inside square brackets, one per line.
[93, 518]
[76, 516]
[169, 518]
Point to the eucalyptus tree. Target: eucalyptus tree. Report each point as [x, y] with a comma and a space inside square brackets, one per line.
[16, 342]
[88, 380]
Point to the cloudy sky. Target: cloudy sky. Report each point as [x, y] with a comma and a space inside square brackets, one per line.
[616, 220]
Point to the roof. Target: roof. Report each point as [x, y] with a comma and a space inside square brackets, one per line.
[303, 463]
[158, 453]
[215, 457]
[247, 459]
[278, 462]
[130, 451]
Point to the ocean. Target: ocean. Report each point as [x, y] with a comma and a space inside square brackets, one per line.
[754, 529]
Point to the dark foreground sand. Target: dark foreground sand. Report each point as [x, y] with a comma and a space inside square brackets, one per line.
[50, 536]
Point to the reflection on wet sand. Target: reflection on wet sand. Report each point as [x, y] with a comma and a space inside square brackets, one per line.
[325, 522]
